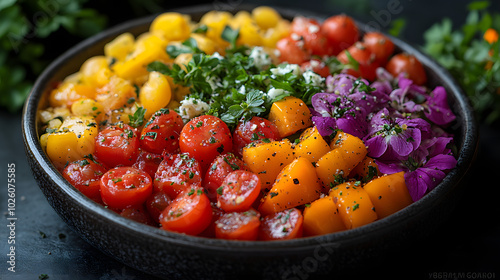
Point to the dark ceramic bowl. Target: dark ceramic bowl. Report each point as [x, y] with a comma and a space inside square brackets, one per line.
[171, 255]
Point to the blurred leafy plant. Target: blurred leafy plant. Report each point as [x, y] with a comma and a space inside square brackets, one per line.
[471, 57]
[27, 27]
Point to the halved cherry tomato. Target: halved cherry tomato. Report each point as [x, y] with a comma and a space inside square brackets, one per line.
[177, 173]
[125, 186]
[310, 30]
[283, 225]
[367, 66]
[137, 213]
[238, 191]
[293, 51]
[238, 225]
[408, 64]
[161, 132]
[218, 170]
[204, 138]
[190, 213]
[85, 175]
[378, 44]
[156, 203]
[317, 66]
[256, 128]
[341, 31]
[148, 162]
[117, 145]
[216, 214]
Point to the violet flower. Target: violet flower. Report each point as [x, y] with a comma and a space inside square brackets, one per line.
[438, 110]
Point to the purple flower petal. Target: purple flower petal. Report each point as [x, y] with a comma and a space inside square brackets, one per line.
[438, 110]
[376, 146]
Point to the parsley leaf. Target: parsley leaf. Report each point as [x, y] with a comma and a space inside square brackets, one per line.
[137, 119]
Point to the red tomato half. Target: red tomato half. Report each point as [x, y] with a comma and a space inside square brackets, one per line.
[218, 170]
[204, 138]
[238, 191]
[317, 66]
[341, 31]
[117, 145]
[190, 213]
[238, 225]
[292, 51]
[85, 175]
[381, 46]
[122, 187]
[367, 66]
[177, 173]
[256, 128]
[148, 162]
[409, 65]
[161, 132]
[137, 213]
[283, 225]
[156, 203]
[310, 30]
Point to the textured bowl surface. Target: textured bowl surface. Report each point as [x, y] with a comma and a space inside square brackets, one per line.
[176, 256]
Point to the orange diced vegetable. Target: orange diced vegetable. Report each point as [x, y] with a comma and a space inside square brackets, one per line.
[267, 159]
[354, 150]
[312, 145]
[366, 169]
[322, 217]
[354, 204]
[388, 193]
[290, 115]
[297, 184]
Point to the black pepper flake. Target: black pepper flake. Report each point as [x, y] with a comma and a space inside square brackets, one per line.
[295, 181]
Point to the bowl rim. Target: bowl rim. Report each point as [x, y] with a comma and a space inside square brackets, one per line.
[465, 155]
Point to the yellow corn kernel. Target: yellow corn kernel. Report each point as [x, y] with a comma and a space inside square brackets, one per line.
[95, 71]
[88, 108]
[67, 93]
[115, 94]
[174, 26]
[216, 21]
[74, 139]
[266, 17]
[120, 47]
[148, 49]
[155, 94]
[204, 43]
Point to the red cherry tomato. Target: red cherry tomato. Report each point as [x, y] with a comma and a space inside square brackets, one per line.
[204, 138]
[216, 214]
[378, 44]
[256, 128]
[238, 225]
[310, 30]
[138, 214]
[317, 66]
[341, 31]
[367, 67]
[292, 51]
[85, 175]
[124, 186]
[117, 145]
[218, 170]
[156, 203]
[161, 132]
[283, 225]
[238, 191]
[190, 213]
[409, 65]
[148, 162]
[177, 173]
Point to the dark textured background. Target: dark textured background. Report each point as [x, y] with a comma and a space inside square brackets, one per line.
[468, 242]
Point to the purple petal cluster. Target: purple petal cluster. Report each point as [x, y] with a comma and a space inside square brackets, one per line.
[402, 125]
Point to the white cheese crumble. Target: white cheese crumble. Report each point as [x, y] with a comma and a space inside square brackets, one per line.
[260, 57]
[286, 68]
[217, 55]
[274, 92]
[192, 107]
[312, 78]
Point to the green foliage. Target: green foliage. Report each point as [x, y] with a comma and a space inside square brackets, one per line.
[470, 59]
[25, 31]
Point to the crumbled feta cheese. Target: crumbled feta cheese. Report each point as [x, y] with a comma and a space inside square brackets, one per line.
[286, 68]
[214, 82]
[313, 28]
[260, 57]
[295, 36]
[217, 55]
[242, 89]
[274, 92]
[312, 78]
[192, 107]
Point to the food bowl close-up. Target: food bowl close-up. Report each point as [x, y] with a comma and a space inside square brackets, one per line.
[171, 255]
